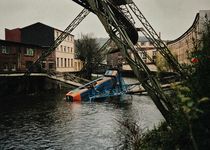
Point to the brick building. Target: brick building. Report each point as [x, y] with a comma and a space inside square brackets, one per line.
[149, 49]
[44, 36]
[186, 43]
[17, 56]
[116, 59]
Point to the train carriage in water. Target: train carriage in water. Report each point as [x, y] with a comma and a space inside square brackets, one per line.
[111, 85]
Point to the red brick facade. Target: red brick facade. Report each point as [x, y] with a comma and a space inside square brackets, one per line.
[16, 56]
[13, 35]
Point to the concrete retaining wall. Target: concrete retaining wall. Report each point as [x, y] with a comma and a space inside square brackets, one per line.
[30, 85]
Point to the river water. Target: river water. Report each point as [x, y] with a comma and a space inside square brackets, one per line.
[50, 122]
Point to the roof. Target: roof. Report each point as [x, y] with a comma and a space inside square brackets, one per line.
[39, 23]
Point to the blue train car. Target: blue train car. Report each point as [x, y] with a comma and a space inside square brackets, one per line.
[108, 85]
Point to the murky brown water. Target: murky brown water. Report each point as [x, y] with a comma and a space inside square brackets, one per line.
[49, 122]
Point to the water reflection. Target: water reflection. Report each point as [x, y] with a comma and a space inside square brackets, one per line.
[49, 122]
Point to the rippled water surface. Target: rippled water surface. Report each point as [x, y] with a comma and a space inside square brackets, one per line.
[49, 122]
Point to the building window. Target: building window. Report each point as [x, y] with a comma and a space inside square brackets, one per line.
[68, 62]
[43, 65]
[64, 48]
[144, 55]
[68, 49]
[61, 62]
[68, 38]
[13, 67]
[75, 66]
[150, 44]
[29, 52]
[71, 62]
[65, 62]
[5, 67]
[57, 62]
[142, 43]
[71, 49]
[4, 50]
[61, 48]
[50, 65]
[154, 53]
[79, 66]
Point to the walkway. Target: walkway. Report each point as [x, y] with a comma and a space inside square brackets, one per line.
[53, 77]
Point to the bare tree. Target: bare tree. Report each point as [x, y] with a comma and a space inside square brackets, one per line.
[87, 50]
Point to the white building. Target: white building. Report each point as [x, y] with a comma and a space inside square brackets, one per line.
[65, 55]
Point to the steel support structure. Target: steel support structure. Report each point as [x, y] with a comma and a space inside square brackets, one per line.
[156, 40]
[119, 24]
[60, 38]
[117, 32]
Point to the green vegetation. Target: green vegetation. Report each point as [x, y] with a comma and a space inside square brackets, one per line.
[162, 64]
[190, 124]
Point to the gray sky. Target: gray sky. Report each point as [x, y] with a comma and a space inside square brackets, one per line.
[170, 17]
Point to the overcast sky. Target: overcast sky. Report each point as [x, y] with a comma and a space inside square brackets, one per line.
[170, 17]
